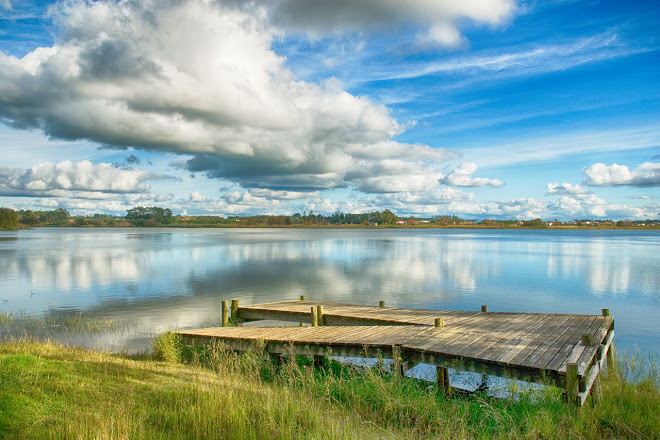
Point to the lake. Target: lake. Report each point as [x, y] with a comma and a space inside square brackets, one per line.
[153, 280]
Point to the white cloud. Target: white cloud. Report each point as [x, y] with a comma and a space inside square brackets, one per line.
[518, 62]
[462, 176]
[68, 177]
[439, 18]
[197, 197]
[282, 195]
[565, 189]
[201, 79]
[599, 174]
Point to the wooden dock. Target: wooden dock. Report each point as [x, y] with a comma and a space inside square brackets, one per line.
[566, 350]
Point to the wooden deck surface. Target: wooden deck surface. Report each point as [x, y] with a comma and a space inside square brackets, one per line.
[525, 345]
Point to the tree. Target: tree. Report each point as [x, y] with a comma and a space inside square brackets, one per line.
[142, 216]
[8, 219]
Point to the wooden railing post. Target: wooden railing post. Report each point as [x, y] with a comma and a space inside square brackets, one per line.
[303, 298]
[484, 308]
[439, 322]
[381, 303]
[225, 313]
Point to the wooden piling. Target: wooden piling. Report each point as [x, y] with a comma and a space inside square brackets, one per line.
[587, 339]
[381, 303]
[225, 313]
[439, 322]
[572, 384]
[319, 313]
[234, 311]
[484, 308]
[610, 352]
[442, 377]
[315, 317]
[397, 361]
[596, 391]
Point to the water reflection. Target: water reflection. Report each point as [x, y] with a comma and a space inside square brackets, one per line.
[157, 280]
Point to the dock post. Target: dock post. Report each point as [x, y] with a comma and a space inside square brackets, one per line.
[587, 339]
[610, 351]
[397, 361]
[234, 311]
[303, 298]
[442, 378]
[439, 322]
[319, 315]
[315, 317]
[572, 384]
[381, 303]
[225, 313]
[484, 308]
[596, 391]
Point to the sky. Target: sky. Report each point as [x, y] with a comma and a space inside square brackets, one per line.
[496, 109]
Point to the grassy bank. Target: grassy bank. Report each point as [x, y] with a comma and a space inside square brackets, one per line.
[51, 391]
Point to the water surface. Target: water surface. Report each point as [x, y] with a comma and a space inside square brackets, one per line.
[153, 280]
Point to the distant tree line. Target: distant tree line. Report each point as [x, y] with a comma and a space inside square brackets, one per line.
[150, 216]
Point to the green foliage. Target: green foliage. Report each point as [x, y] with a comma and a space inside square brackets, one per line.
[8, 219]
[150, 216]
[167, 347]
[537, 223]
[57, 217]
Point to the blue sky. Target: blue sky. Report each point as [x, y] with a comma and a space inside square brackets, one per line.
[482, 109]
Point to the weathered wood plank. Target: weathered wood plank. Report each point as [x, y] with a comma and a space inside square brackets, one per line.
[567, 343]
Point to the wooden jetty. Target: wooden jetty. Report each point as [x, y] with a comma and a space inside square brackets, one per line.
[565, 350]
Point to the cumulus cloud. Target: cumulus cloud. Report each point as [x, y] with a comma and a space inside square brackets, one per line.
[197, 197]
[438, 18]
[73, 178]
[462, 176]
[645, 175]
[582, 205]
[201, 79]
[565, 189]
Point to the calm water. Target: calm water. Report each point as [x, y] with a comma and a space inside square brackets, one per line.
[153, 280]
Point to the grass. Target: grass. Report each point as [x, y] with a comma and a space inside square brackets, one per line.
[48, 390]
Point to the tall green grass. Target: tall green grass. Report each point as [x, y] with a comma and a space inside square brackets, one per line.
[51, 391]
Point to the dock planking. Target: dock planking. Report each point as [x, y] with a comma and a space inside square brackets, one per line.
[529, 346]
